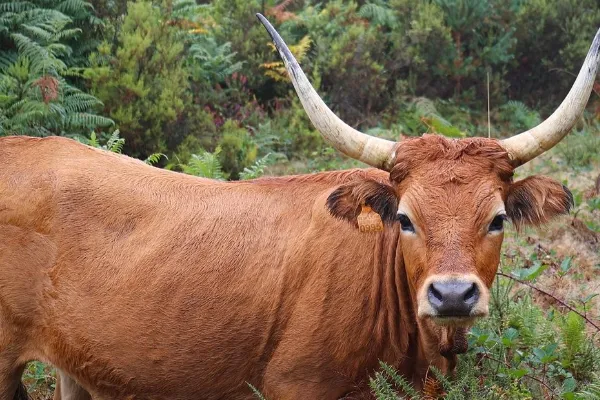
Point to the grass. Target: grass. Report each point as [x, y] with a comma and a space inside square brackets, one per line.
[580, 148]
[40, 380]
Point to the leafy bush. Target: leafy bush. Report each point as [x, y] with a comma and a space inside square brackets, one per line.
[238, 150]
[35, 59]
[550, 51]
[142, 81]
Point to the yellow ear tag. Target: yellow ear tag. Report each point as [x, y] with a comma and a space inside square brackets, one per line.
[369, 221]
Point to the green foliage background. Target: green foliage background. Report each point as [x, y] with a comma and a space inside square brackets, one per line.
[182, 77]
[195, 86]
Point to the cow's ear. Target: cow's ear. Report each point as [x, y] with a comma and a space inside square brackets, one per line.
[537, 199]
[345, 202]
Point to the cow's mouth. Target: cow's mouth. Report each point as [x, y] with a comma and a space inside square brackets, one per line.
[457, 320]
[463, 321]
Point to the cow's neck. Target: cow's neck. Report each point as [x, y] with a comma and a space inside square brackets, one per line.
[376, 299]
[390, 328]
[391, 311]
[402, 340]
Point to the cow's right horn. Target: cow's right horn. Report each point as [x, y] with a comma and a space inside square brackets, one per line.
[371, 150]
[530, 144]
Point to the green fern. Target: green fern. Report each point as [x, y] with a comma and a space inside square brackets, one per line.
[74, 7]
[400, 382]
[379, 14]
[210, 62]
[257, 169]
[115, 143]
[517, 116]
[591, 392]
[381, 388]
[45, 105]
[36, 99]
[187, 9]
[42, 60]
[85, 120]
[7, 59]
[573, 336]
[154, 158]
[16, 6]
[93, 141]
[205, 164]
[112, 142]
[443, 379]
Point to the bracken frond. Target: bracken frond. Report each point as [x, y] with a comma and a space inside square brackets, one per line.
[276, 69]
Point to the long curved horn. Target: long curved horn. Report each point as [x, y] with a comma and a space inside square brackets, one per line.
[372, 150]
[530, 144]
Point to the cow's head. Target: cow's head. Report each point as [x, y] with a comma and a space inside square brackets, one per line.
[450, 197]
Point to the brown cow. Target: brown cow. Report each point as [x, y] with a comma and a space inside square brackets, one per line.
[140, 283]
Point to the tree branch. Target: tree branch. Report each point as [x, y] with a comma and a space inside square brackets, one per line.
[559, 301]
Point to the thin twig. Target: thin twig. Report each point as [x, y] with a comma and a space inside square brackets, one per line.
[488, 101]
[559, 301]
[541, 382]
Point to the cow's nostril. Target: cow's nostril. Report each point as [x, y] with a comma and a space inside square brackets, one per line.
[472, 294]
[433, 292]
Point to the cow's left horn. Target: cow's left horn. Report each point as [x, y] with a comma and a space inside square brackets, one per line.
[530, 144]
[372, 150]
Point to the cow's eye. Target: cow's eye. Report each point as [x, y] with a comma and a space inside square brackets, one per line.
[405, 223]
[497, 223]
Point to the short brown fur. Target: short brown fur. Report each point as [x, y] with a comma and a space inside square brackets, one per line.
[143, 283]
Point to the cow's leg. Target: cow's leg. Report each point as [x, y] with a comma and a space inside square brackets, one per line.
[21, 393]
[68, 389]
[10, 381]
[57, 395]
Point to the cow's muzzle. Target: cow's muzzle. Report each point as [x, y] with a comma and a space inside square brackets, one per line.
[453, 299]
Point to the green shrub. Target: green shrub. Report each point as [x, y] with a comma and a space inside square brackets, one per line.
[579, 149]
[550, 51]
[142, 81]
[238, 150]
[516, 117]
